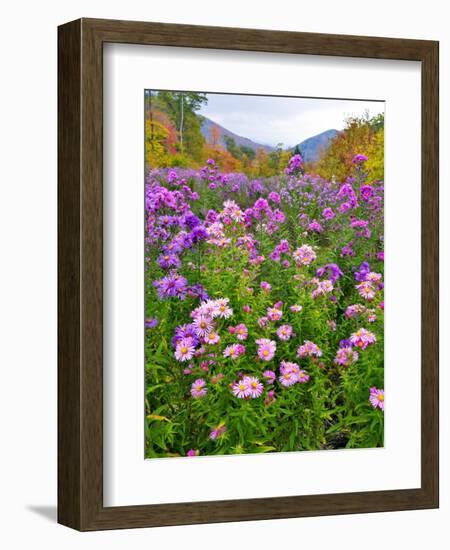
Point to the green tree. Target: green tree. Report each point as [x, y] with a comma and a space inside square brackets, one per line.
[181, 107]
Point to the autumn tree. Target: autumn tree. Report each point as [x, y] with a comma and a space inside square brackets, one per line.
[361, 135]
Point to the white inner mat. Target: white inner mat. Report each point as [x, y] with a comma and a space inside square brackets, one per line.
[129, 478]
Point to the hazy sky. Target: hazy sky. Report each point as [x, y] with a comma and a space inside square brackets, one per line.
[288, 120]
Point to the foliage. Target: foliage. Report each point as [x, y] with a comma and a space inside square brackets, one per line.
[362, 135]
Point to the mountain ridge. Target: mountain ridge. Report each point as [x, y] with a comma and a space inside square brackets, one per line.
[310, 147]
[208, 125]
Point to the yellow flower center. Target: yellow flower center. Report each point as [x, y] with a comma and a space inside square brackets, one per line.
[265, 353]
[254, 385]
[380, 397]
[184, 350]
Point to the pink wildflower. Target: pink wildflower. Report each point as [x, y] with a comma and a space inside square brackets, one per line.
[240, 389]
[274, 314]
[193, 452]
[241, 332]
[345, 356]
[233, 351]
[212, 338]
[376, 398]
[198, 388]
[284, 332]
[269, 376]
[255, 387]
[309, 349]
[184, 350]
[362, 338]
[304, 255]
[266, 348]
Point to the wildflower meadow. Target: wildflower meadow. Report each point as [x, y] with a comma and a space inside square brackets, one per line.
[264, 303]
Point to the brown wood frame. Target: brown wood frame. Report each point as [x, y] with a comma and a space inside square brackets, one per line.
[80, 272]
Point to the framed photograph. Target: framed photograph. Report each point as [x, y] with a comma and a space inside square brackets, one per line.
[248, 274]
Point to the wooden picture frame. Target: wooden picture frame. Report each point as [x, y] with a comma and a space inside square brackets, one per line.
[80, 272]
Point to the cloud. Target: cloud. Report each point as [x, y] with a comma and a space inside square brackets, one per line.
[288, 120]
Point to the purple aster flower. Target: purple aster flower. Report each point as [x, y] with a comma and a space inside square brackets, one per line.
[167, 261]
[171, 286]
[332, 271]
[274, 197]
[359, 159]
[366, 192]
[151, 323]
[363, 271]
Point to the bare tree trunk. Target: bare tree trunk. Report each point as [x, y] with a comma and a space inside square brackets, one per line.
[151, 122]
[182, 121]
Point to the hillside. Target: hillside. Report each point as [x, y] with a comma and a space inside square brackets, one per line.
[208, 128]
[313, 146]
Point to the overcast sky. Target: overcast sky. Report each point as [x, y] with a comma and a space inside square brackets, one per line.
[289, 120]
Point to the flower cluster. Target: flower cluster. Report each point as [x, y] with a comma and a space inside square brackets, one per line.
[259, 296]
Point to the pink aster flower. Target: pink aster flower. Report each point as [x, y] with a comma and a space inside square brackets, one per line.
[274, 314]
[266, 348]
[362, 338]
[373, 277]
[269, 376]
[217, 432]
[234, 351]
[304, 255]
[323, 287]
[212, 338]
[376, 398]
[328, 214]
[255, 387]
[366, 290]
[270, 397]
[262, 322]
[240, 389]
[345, 356]
[302, 376]
[241, 331]
[265, 286]
[185, 349]
[193, 452]
[284, 332]
[287, 379]
[289, 366]
[222, 309]
[296, 308]
[202, 325]
[198, 388]
[309, 349]
[354, 310]
[315, 226]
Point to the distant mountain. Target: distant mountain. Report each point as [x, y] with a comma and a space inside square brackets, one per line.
[207, 130]
[313, 146]
[310, 148]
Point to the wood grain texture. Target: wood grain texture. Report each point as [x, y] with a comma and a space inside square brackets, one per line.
[69, 244]
[80, 265]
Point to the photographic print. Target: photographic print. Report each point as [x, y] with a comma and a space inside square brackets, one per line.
[264, 274]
